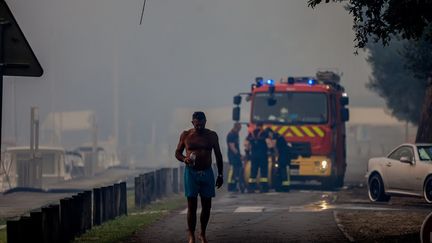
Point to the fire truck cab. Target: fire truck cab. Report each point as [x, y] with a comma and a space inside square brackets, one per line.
[310, 113]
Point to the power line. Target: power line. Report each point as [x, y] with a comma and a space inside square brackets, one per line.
[142, 13]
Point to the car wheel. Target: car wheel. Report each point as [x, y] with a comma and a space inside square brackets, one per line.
[427, 190]
[376, 189]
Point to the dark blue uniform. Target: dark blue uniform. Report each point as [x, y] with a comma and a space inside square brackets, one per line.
[284, 162]
[234, 160]
[259, 160]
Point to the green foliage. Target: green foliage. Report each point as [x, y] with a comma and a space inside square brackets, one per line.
[392, 80]
[379, 20]
[399, 70]
[418, 58]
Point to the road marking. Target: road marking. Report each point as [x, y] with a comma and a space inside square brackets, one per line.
[349, 207]
[309, 208]
[249, 209]
[341, 227]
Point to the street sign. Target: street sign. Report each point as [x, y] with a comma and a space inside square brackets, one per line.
[16, 56]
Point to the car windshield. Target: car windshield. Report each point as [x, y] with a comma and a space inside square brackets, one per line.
[425, 152]
[290, 108]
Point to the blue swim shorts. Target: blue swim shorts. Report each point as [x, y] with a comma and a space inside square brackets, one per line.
[200, 182]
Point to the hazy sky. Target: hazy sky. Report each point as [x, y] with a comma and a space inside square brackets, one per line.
[187, 53]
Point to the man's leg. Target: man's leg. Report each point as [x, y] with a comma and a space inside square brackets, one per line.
[191, 217]
[205, 216]
[264, 183]
[253, 174]
[231, 178]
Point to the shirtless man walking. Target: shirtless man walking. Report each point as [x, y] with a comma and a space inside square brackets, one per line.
[198, 176]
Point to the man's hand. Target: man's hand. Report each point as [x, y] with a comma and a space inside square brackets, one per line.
[187, 160]
[219, 181]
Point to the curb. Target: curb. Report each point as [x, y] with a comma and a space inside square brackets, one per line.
[341, 227]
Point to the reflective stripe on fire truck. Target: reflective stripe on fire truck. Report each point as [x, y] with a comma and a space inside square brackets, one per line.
[296, 131]
[299, 131]
[318, 131]
[282, 130]
[307, 131]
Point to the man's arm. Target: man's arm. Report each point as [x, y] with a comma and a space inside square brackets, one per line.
[180, 147]
[233, 148]
[218, 154]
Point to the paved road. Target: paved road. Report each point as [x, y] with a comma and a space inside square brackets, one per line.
[298, 216]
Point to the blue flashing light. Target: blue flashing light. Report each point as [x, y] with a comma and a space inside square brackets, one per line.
[259, 82]
[270, 82]
[311, 81]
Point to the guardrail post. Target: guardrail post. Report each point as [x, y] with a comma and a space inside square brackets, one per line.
[116, 200]
[51, 224]
[36, 231]
[142, 191]
[159, 183]
[181, 178]
[110, 202]
[137, 191]
[97, 206]
[123, 198]
[26, 228]
[152, 185]
[87, 211]
[175, 182]
[13, 228]
[104, 204]
[66, 218]
[145, 188]
[76, 216]
[167, 181]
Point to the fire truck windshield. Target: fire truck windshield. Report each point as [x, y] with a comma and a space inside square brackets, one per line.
[290, 108]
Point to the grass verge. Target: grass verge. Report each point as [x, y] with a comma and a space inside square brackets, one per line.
[124, 227]
[3, 235]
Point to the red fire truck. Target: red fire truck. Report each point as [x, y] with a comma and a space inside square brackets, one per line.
[310, 112]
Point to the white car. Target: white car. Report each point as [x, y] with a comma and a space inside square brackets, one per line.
[407, 170]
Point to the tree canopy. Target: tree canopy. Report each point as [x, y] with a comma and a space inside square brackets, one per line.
[379, 20]
[401, 87]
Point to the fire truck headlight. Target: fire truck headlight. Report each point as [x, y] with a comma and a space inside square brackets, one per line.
[324, 164]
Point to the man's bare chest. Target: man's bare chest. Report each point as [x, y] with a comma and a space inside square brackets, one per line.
[198, 142]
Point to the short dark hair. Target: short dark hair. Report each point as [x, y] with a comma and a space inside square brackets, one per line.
[199, 115]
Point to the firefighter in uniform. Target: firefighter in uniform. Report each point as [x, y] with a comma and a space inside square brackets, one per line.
[256, 144]
[283, 152]
[234, 158]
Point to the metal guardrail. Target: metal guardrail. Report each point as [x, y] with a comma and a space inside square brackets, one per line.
[156, 184]
[70, 218]
[75, 215]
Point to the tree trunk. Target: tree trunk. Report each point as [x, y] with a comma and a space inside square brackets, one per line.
[424, 131]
